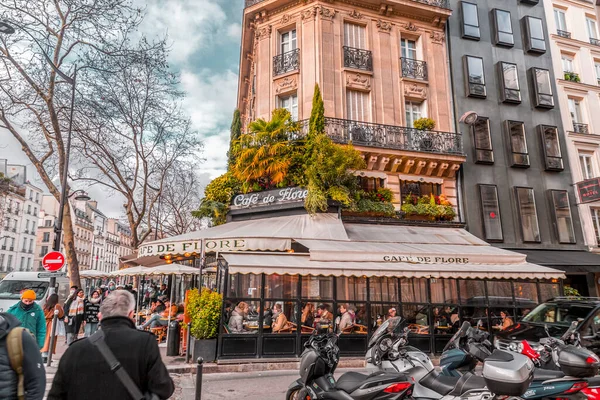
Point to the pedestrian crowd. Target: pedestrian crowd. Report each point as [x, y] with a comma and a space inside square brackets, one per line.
[84, 372]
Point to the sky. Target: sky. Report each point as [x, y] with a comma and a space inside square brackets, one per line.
[205, 41]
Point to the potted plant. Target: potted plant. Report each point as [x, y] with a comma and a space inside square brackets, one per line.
[424, 124]
[427, 208]
[572, 76]
[204, 311]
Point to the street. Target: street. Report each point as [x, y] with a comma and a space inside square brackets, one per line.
[246, 385]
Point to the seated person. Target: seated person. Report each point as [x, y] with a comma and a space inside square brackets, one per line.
[347, 318]
[506, 321]
[238, 315]
[324, 318]
[280, 320]
[308, 315]
[161, 318]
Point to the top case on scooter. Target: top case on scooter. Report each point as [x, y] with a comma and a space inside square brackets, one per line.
[578, 362]
[508, 374]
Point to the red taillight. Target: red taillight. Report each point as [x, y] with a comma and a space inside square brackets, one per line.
[397, 387]
[529, 351]
[577, 387]
[591, 393]
[591, 360]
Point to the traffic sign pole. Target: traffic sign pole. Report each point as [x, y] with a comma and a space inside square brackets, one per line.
[53, 262]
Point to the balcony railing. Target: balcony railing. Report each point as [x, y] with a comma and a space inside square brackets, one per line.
[595, 42]
[358, 58]
[389, 136]
[435, 3]
[564, 34]
[249, 3]
[286, 62]
[414, 68]
[580, 128]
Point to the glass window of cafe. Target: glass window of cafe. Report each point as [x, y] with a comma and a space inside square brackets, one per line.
[434, 307]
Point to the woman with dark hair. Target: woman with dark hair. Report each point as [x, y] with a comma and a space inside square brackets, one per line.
[74, 320]
[51, 305]
[506, 320]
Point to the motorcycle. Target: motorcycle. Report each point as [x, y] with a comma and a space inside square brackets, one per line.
[503, 373]
[317, 366]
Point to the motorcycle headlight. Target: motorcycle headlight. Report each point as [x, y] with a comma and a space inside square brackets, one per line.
[385, 344]
[512, 346]
[519, 347]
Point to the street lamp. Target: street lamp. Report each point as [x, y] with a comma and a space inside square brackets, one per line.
[7, 29]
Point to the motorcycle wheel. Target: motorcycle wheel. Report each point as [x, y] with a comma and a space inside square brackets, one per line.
[293, 395]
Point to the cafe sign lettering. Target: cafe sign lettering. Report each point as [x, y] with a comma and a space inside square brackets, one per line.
[425, 259]
[192, 246]
[269, 197]
[589, 190]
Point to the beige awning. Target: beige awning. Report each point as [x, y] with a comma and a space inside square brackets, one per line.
[411, 234]
[301, 264]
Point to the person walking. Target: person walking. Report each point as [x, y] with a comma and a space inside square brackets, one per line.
[33, 372]
[83, 372]
[51, 305]
[90, 314]
[31, 316]
[76, 310]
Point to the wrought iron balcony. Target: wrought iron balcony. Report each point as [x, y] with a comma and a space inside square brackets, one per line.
[358, 58]
[413, 68]
[286, 62]
[580, 128]
[389, 136]
[435, 3]
[564, 34]
[595, 42]
[249, 3]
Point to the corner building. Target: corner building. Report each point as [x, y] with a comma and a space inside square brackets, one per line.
[380, 66]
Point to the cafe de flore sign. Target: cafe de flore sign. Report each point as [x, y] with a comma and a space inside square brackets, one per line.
[213, 246]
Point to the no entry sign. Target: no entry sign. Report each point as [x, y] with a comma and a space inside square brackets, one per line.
[53, 261]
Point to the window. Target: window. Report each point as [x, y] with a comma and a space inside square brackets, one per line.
[288, 41]
[290, 103]
[542, 87]
[509, 79]
[490, 207]
[413, 112]
[503, 28]
[46, 237]
[470, 23]
[357, 105]
[44, 251]
[562, 216]
[483, 142]
[1, 260]
[29, 209]
[587, 166]
[567, 63]
[560, 20]
[552, 153]
[596, 222]
[47, 223]
[575, 111]
[535, 40]
[597, 69]
[528, 214]
[22, 264]
[518, 143]
[28, 264]
[591, 28]
[9, 262]
[409, 49]
[370, 184]
[354, 36]
[475, 77]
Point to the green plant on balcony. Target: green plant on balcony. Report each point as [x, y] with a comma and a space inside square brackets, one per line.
[428, 207]
[572, 77]
[424, 124]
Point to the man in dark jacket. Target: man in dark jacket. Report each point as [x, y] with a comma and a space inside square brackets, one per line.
[83, 373]
[34, 373]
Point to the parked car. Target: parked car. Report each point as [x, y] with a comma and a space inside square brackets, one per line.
[554, 317]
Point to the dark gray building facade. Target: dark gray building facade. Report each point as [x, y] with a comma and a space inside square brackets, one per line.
[516, 184]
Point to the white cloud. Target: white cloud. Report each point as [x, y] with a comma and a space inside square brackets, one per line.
[234, 31]
[191, 24]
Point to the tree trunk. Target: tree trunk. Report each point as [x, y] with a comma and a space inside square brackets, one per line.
[69, 245]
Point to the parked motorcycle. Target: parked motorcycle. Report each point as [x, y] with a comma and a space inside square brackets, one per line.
[317, 366]
[503, 373]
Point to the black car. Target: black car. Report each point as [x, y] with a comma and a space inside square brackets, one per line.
[555, 316]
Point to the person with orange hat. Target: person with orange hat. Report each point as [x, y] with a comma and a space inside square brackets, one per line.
[31, 316]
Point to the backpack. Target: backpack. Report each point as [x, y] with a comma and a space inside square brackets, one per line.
[14, 346]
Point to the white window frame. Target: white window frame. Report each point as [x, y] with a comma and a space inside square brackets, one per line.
[414, 111]
[591, 28]
[596, 223]
[288, 39]
[358, 106]
[407, 51]
[568, 63]
[575, 110]
[355, 36]
[560, 18]
[292, 106]
[587, 169]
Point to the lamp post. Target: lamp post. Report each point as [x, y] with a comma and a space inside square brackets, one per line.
[7, 29]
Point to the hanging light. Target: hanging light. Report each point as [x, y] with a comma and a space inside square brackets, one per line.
[168, 257]
[186, 254]
[169, 261]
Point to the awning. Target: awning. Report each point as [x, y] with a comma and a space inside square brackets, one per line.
[568, 261]
[301, 264]
[272, 234]
[411, 234]
[321, 250]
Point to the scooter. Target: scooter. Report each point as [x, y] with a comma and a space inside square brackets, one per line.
[503, 374]
[317, 366]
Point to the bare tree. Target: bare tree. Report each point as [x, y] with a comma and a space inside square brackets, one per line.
[50, 35]
[180, 197]
[134, 133]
